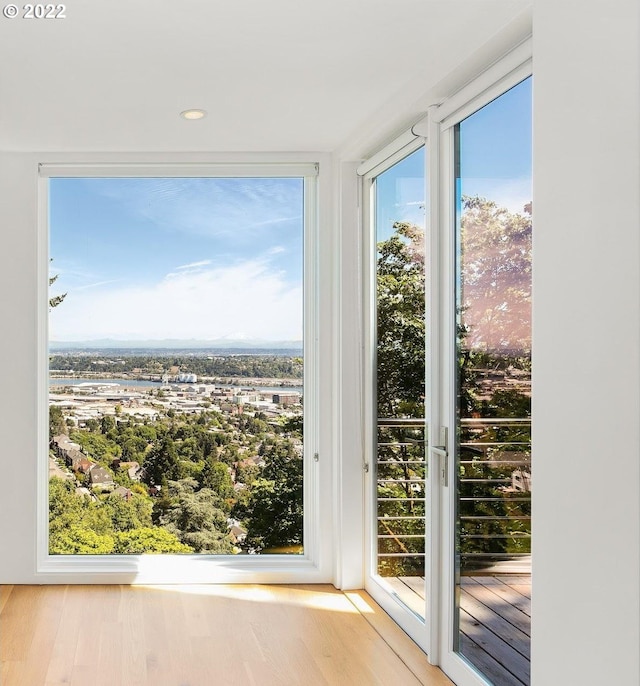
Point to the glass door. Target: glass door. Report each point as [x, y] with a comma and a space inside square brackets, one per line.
[490, 477]
[397, 466]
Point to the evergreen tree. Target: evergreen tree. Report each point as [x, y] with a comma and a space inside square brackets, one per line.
[162, 463]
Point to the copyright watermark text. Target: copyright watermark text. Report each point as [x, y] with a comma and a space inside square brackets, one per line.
[12, 11]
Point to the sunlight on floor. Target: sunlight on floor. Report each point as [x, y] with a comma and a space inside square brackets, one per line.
[322, 597]
[359, 602]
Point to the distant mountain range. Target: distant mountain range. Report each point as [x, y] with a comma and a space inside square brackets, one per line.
[175, 344]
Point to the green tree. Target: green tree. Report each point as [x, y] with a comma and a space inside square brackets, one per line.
[126, 515]
[76, 525]
[401, 323]
[293, 425]
[246, 472]
[230, 454]
[62, 501]
[400, 356]
[215, 475]
[494, 338]
[196, 519]
[97, 446]
[148, 540]
[274, 511]
[76, 540]
[107, 423]
[57, 425]
[162, 463]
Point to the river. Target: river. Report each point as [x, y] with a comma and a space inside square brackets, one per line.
[138, 383]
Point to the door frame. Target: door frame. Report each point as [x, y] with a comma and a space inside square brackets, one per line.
[404, 146]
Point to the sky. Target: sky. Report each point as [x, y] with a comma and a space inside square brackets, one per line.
[495, 150]
[178, 258]
[495, 163]
[400, 194]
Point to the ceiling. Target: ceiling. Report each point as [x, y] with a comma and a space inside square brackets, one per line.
[273, 75]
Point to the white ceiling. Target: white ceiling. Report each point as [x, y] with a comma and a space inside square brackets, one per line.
[274, 75]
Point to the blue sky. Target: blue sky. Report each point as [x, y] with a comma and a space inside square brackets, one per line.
[400, 194]
[495, 150]
[177, 258]
[495, 163]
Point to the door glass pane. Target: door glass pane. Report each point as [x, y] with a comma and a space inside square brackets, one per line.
[493, 437]
[176, 364]
[400, 378]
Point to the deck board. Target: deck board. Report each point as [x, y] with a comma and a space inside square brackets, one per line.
[498, 675]
[501, 606]
[497, 625]
[510, 593]
[503, 653]
[495, 622]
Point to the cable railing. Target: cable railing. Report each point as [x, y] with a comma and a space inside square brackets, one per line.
[400, 474]
[493, 487]
[494, 495]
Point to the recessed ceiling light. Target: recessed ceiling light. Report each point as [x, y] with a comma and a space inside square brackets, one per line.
[193, 114]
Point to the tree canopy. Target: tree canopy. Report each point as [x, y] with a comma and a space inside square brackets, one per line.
[401, 323]
[495, 263]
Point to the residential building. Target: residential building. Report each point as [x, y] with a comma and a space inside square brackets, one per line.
[100, 477]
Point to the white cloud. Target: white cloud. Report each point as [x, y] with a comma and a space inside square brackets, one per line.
[96, 284]
[248, 297]
[222, 208]
[275, 220]
[193, 265]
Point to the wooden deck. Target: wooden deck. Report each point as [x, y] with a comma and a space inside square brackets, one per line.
[495, 622]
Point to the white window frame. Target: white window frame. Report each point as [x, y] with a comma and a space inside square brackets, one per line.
[315, 564]
[375, 586]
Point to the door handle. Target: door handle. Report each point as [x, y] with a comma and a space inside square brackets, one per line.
[443, 452]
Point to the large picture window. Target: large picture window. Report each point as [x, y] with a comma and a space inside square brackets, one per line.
[177, 381]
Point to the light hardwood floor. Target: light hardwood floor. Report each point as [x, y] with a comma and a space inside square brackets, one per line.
[203, 636]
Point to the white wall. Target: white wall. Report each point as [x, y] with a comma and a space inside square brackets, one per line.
[586, 343]
[18, 276]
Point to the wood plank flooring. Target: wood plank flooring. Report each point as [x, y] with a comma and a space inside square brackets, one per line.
[203, 636]
[495, 622]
